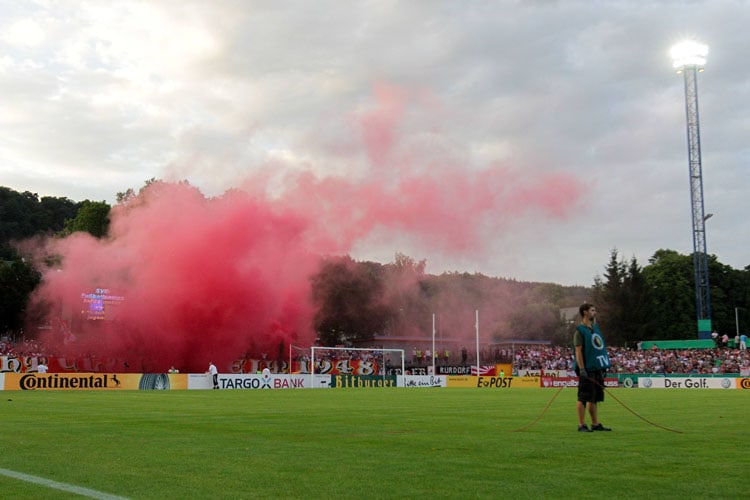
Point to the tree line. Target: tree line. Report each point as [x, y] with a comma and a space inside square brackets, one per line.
[358, 300]
[23, 216]
[657, 301]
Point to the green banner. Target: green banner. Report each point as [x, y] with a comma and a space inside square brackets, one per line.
[677, 344]
[359, 381]
[704, 326]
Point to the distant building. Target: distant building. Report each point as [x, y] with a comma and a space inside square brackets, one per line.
[569, 314]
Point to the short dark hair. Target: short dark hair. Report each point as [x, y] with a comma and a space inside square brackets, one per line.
[584, 307]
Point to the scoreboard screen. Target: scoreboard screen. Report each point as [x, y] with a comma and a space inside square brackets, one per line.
[97, 304]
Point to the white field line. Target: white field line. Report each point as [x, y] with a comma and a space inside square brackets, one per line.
[86, 492]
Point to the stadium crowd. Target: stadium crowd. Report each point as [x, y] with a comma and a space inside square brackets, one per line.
[537, 358]
[664, 361]
[22, 348]
[657, 361]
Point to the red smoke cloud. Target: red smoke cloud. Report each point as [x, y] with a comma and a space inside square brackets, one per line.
[202, 279]
[215, 278]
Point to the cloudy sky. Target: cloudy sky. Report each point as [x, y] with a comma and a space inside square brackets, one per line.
[99, 96]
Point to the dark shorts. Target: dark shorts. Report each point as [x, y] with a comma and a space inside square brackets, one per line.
[591, 389]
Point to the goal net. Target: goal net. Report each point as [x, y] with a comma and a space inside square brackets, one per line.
[299, 359]
[356, 361]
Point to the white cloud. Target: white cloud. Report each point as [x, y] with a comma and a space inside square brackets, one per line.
[25, 32]
[100, 96]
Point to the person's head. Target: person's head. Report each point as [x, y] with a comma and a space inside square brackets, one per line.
[587, 311]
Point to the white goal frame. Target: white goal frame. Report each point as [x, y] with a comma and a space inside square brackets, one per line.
[370, 349]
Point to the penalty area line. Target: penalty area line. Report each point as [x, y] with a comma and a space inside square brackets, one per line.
[78, 490]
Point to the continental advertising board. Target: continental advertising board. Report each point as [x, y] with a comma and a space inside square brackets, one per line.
[93, 381]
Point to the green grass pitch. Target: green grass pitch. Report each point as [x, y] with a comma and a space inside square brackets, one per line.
[375, 443]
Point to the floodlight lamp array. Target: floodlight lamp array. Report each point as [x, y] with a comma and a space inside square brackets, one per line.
[689, 54]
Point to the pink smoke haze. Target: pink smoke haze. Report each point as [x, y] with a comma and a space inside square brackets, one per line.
[213, 279]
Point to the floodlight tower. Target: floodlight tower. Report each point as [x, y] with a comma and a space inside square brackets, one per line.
[688, 58]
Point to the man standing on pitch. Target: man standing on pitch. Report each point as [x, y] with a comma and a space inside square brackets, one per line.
[591, 361]
[214, 374]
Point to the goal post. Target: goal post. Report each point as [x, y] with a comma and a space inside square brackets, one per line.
[380, 352]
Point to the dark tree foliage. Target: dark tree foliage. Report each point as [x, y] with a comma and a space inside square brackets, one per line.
[670, 279]
[55, 211]
[730, 289]
[349, 301]
[127, 196]
[92, 218]
[658, 301]
[23, 215]
[535, 320]
[402, 299]
[409, 295]
[17, 280]
[623, 301]
[637, 297]
[358, 300]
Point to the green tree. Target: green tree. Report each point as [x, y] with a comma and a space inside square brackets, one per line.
[127, 196]
[536, 321]
[92, 218]
[637, 321]
[623, 301]
[669, 278]
[608, 298]
[54, 212]
[18, 279]
[409, 295]
[24, 215]
[349, 300]
[19, 214]
[729, 289]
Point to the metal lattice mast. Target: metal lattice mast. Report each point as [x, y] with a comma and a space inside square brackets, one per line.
[700, 256]
[689, 58]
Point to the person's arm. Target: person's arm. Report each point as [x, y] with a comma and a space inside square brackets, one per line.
[580, 363]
